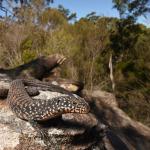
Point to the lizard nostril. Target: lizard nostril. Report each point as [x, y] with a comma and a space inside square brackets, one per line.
[74, 103]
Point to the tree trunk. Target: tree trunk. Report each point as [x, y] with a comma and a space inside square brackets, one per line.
[111, 73]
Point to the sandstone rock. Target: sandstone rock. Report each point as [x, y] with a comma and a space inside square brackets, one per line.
[87, 120]
[71, 131]
[105, 127]
[70, 85]
[103, 96]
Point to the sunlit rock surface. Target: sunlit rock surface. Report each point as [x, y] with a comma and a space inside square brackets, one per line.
[105, 127]
[75, 131]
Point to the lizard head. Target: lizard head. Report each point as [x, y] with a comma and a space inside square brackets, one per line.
[75, 104]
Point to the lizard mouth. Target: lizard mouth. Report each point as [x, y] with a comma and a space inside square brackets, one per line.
[85, 109]
[81, 109]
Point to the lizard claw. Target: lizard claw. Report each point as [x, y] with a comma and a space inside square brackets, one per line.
[42, 134]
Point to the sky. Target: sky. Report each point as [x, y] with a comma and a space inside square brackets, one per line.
[83, 7]
[101, 7]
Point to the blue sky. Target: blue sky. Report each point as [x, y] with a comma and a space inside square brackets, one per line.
[83, 7]
[101, 7]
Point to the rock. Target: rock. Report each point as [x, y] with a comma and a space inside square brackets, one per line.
[103, 96]
[38, 68]
[122, 132]
[71, 130]
[69, 85]
[18, 134]
[105, 127]
[87, 120]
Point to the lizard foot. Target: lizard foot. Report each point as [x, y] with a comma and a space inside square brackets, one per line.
[41, 133]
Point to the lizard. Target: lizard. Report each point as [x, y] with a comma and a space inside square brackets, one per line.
[26, 108]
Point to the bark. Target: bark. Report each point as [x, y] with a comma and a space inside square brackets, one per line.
[111, 73]
[38, 68]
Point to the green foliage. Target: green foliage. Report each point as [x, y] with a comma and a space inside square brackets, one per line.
[27, 2]
[66, 12]
[26, 44]
[92, 16]
[131, 9]
[131, 49]
[51, 18]
[28, 55]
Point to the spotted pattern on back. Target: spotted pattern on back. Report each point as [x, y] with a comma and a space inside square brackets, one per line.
[36, 109]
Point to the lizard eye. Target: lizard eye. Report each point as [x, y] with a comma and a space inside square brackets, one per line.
[58, 101]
